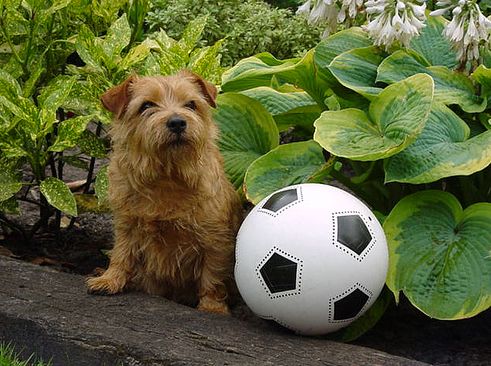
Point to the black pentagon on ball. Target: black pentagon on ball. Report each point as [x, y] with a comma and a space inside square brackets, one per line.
[353, 233]
[280, 199]
[349, 306]
[279, 273]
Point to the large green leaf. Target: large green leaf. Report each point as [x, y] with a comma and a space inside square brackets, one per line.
[395, 118]
[440, 254]
[206, 62]
[451, 87]
[11, 98]
[288, 164]
[482, 75]
[69, 132]
[254, 71]
[22, 108]
[134, 56]
[443, 149]
[91, 145]
[259, 70]
[192, 34]
[433, 45]
[59, 195]
[335, 45]
[117, 38]
[356, 69]
[55, 94]
[89, 48]
[247, 131]
[32, 82]
[288, 109]
[9, 87]
[9, 185]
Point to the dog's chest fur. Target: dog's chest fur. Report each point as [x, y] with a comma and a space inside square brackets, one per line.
[174, 258]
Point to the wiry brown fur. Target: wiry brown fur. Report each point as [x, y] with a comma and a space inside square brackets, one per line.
[175, 212]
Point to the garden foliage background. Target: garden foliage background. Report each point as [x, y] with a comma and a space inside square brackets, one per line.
[406, 127]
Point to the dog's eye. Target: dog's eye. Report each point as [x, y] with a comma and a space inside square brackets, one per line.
[191, 105]
[146, 105]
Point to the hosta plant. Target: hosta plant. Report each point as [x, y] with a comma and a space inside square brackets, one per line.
[403, 130]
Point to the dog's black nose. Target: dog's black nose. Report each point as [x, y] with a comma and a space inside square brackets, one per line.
[176, 124]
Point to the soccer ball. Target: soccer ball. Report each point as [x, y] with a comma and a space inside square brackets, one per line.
[312, 257]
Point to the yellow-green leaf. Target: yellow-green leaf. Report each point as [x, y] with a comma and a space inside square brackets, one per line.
[247, 131]
[59, 195]
[285, 165]
[395, 118]
[451, 87]
[117, 38]
[439, 254]
[9, 185]
[443, 149]
[433, 45]
[69, 132]
[356, 69]
[335, 45]
[288, 109]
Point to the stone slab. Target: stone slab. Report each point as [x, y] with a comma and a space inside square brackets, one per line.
[50, 313]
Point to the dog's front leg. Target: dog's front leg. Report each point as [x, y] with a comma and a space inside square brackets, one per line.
[123, 257]
[216, 271]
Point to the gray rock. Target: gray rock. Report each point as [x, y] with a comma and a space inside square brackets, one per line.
[49, 313]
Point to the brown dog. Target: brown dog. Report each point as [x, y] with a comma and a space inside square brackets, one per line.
[175, 212]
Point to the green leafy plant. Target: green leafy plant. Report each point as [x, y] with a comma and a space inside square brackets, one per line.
[403, 130]
[51, 113]
[34, 129]
[248, 27]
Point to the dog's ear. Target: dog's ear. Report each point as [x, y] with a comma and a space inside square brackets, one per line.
[208, 90]
[117, 98]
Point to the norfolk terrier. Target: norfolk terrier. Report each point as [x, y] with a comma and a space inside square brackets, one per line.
[175, 212]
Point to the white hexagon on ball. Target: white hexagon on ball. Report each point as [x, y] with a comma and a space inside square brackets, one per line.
[312, 257]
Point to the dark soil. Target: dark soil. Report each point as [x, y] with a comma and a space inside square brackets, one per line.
[403, 330]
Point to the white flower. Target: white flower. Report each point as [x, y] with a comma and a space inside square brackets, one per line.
[351, 7]
[330, 12]
[468, 29]
[394, 20]
[320, 12]
[304, 9]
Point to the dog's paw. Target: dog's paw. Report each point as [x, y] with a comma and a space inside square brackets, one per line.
[103, 286]
[211, 305]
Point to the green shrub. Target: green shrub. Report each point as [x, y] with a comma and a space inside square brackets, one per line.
[249, 27]
[50, 112]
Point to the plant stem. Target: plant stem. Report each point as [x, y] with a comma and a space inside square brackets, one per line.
[90, 174]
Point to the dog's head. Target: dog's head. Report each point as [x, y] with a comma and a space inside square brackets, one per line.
[162, 115]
